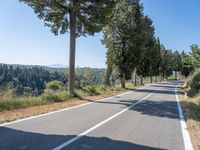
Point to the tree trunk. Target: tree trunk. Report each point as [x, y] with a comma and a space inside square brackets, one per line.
[107, 79]
[72, 16]
[141, 80]
[163, 77]
[156, 78]
[135, 82]
[175, 75]
[123, 81]
[150, 79]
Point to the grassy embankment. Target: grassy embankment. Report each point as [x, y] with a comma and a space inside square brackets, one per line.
[191, 109]
[13, 108]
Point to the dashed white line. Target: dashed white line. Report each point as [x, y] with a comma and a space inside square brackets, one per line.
[100, 124]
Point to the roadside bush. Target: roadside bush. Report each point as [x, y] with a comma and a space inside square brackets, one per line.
[52, 96]
[92, 90]
[194, 85]
[54, 85]
[9, 102]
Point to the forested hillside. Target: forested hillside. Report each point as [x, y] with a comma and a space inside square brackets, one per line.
[133, 51]
[31, 80]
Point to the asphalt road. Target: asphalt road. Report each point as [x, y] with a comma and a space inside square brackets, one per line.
[143, 119]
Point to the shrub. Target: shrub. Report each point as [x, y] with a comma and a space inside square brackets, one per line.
[18, 90]
[54, 85]
[194, 84]
[58, 96]
[92, 90]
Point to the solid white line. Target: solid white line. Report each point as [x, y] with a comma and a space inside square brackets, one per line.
[98, 125]
[186, 136]
[57, 111]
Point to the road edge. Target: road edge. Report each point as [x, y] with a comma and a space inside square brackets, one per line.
[186, 137]
[68, 142]
[64, 109]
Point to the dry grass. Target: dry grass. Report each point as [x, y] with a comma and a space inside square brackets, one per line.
[15, 114]
[191, 108]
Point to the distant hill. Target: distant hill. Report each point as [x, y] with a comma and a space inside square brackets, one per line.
[55, 67]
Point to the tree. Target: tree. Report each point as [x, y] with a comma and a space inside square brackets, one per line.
[187, 64]
[155, 59]
[109, 70]
[166, 63]
[176, 63]
[147, 50]
[122, 35]
[195, 55]
[77, 17]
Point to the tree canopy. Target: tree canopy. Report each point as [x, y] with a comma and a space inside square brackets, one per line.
[77, 17]
[122, 36]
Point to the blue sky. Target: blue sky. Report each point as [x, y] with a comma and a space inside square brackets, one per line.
[25, 40]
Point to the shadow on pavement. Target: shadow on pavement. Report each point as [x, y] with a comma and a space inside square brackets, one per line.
[162, 108]
[167, 109]
[162, 86]
[12, 139]
[160, 91]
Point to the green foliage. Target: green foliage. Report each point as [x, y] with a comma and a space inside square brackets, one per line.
[86, 76]
[76, 17]
[194, 84]
[155, 58]
[31, 81]
[52, 96]
[149, 50]
[195, 55]
[18, 90]
[54, 85]
[120, 40]
[176, 61]
[188, 66]
[27, 80]
[92, 90]
[9, 101]
[90, 15]
[166, 66]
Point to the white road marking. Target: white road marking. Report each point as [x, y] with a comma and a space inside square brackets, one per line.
[100, 124]
[53, 112]
[57, 111]
[186, 136]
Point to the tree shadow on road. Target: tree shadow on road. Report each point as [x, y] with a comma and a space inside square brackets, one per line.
[167, 109]
[160, 108]
[13, 139]
[162, 86]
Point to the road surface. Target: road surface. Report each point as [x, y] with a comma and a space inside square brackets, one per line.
[143, 119]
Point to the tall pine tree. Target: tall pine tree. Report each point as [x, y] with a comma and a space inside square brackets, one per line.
[77, 17]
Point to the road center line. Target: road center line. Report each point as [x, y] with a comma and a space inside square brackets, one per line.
[100, 124]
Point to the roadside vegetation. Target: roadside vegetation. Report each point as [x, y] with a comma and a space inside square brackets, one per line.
[191, 103]
[134, 54]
